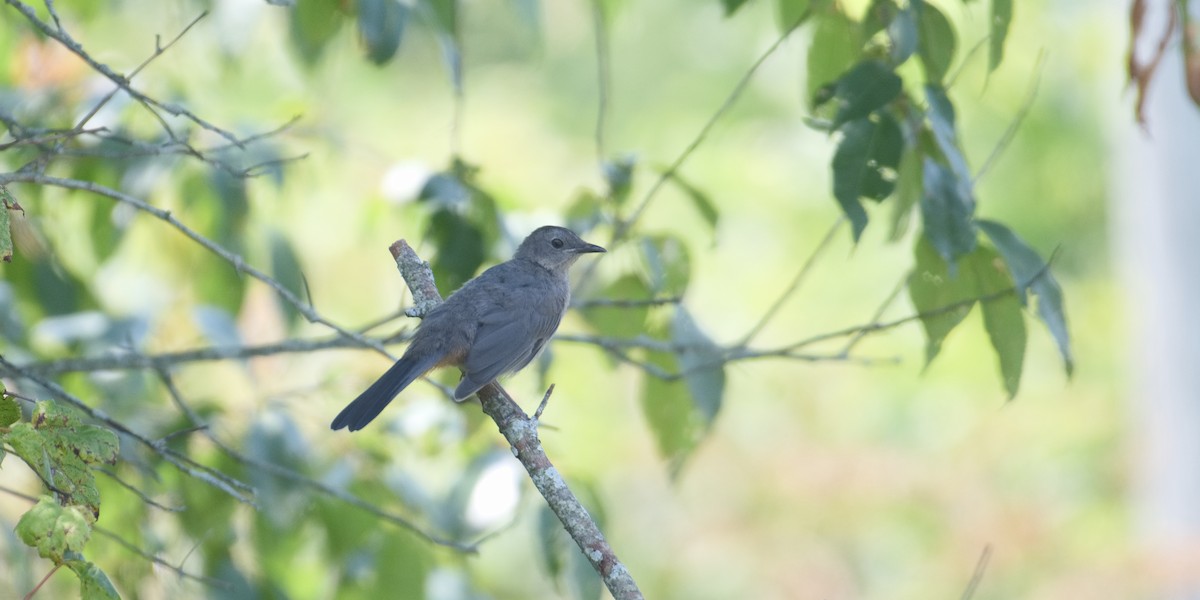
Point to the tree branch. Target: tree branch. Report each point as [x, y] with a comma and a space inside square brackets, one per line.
[521, 432]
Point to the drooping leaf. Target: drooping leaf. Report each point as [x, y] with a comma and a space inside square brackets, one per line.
[946, 214]
[93, 581]
[668, 264]
[618, 174]
[945, 133]
[313, 24]
[700, 200]
[865, 165]
[904, 34]
[54, 530]
[1001, 17]
[865, 88]
[381, 27]
[1032, 274]
[836, 45]
[670, 412]
[937, 41]
[702, 363]
[1005, 325]
[942, 298]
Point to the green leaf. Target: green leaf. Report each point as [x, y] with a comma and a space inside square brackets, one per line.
[669, 412]
[585, 212]
[942, 123]
[864, 165]
[380, 27]
[285, 268]
[444, 17]
[63, 450]
[700, 200]
[836, 45]
[1005, 325]
[903, 33]
[944, 296]
[1001, 17]
[909, 188]
[941, 298]
[10, 411]
[1031, 273]
[789, 12]
[668, 265]
[731, 6]
[945, 213]
[937, 43]
[702, 363]
[93, 582]
[620, 321]
[313, 24]
[54, 530]
[867, 87]
[618, 174]
[460, 249]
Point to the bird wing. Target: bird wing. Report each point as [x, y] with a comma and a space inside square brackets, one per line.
[509, 336]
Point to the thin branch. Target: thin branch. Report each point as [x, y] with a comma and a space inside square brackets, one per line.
[625, 303]
[238, 263]
[603, 75]
[177, 570]
[623, 226]
[133, 548]
[158, 51]
[977, 576]
[883, 306]
[139, 493]
[801, 275]
[1018, 119]
[299, 478]
[521, 432]
[153, 105]
[234, 488]
[537, 415]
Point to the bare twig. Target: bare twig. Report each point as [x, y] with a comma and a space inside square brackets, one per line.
[521, 432]
[238, 263]
[153, 105]
[238, 490]
[299, 478]
[1011, 131]
[603, 75]
[622, 226]
[625, 303]
[977, 576]
[177, 570]
[537, 415]
[139, 493]
[801, 275]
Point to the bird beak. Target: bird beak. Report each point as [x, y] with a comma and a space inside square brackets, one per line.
[589, 248]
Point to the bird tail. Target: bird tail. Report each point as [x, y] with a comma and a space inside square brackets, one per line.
[370, 403]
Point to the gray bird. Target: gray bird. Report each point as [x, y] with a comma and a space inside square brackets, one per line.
[493, 325]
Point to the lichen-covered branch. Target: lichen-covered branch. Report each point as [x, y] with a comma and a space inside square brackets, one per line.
[521, 432]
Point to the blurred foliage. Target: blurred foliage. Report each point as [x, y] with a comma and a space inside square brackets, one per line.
[896, 138]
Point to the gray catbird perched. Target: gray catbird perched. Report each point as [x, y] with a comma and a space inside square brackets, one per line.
[494, 324]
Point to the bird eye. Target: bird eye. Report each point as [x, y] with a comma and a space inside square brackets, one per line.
[557, 243]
